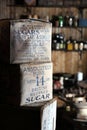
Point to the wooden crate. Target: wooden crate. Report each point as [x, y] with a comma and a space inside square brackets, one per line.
[40, 116]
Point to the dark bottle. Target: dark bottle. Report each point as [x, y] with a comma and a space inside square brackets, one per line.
[55, 21]
[52, 20]
[54, 44]
[58, 41]
[66, 20]
[61, 42]
[54, 41]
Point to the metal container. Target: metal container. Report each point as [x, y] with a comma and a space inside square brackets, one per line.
[82, 110]
[79, 99]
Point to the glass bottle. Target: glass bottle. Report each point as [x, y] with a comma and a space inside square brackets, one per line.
[85, 45]
[81, 44]
[76, 21]
[70, 44]
[61, 21]
[61, 42]
[54, 41]
[71, 21]
[76, 45]
[58, 41]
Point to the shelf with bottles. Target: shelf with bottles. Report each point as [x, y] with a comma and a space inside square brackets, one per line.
[59, 44]
[65, 20]
[70, 21]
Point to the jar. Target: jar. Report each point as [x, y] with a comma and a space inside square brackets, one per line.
[69, 45]
[71, 21]
[79, 76]
[81, 46]
[85, 45]
[76, 46]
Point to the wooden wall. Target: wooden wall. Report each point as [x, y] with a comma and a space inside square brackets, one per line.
[69, 62]
[4, 9]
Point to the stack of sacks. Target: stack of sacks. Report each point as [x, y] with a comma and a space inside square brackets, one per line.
[30, 47]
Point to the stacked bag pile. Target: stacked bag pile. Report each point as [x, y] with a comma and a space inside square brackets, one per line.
[26, 92]
[30, 47]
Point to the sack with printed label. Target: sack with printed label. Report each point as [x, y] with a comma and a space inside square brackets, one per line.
[36, 83]
[30, 41]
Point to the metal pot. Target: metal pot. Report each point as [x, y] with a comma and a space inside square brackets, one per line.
[79, 99]
[82, 110]
[81, 107]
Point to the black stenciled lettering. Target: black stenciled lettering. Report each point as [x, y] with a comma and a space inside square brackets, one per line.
[47, 95]
[32, 99]
[38, 97]
[28, 99]
[33, 69]
[43, 96]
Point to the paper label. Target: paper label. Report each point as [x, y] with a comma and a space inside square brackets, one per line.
[30, 41]
[36, 83]
[49, 117]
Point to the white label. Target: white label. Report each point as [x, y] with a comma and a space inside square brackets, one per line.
[49, 117]
[36, 83]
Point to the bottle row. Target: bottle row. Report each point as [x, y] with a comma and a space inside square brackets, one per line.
[65, 21]
[58, 43]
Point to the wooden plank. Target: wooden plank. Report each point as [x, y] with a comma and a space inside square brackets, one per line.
[69, 62]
